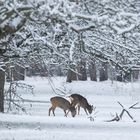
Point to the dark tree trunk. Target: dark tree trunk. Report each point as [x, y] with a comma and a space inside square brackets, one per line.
[2, 81]
[8, 74]
[71, 74]
[82, 71]
[92, 71]
[18, 73]
[103, 72]
[135, 75]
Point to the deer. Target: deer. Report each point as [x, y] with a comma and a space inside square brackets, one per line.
[80, 101]
[62, 103]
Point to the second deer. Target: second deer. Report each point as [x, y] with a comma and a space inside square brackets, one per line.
[80, 101]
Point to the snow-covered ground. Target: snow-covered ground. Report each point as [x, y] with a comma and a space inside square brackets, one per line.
[37, 125]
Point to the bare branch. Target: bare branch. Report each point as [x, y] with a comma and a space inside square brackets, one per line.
[116, 118]
[129, 115]
[133, 106]
[119, 117]
[120, 104]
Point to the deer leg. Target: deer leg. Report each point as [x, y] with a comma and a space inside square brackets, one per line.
[85, 111]
[65, 113]
[78, 109]
[53, 109]
[50, 111]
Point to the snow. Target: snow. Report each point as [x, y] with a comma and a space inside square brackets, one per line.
[37, 125]
[15, 22]
[124, 30]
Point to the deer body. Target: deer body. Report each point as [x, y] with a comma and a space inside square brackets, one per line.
[63, 104]
[80, 101]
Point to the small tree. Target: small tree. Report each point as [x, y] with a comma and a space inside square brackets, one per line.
[71, 75]
[2, 81]
[92, 71]
[81, 68]
[103, 72]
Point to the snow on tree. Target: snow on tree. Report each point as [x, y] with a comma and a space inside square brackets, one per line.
[65, 32]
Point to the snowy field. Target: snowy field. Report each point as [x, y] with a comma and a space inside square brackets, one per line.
[37, 125]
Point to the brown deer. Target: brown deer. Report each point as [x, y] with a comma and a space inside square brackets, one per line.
[63, 104]
[80, 101]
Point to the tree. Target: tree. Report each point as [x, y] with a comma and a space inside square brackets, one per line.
[2, 80]
[71, 75]
[103, 72]
[92, 71]
[82, 72]
[12, 21]
[48, 32]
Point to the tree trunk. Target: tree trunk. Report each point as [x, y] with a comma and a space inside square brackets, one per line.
[18, 73]
[135, 75]
[103, 72]
[71, 74]
[82, 71]
[92, 71]
[2, 81]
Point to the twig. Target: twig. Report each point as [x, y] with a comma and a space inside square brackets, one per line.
[116, 118]
[22, 108]
[119, 117]
[120, 104]
[133, 106]
[129, 115]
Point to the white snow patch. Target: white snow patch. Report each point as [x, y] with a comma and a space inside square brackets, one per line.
[37, 125]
